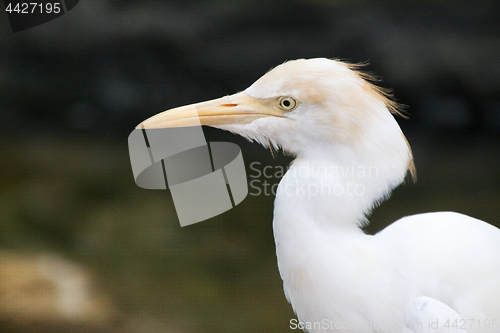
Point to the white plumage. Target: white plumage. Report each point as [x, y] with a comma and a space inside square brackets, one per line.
[436, 272]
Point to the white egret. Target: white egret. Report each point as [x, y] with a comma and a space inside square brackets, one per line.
[435, 272]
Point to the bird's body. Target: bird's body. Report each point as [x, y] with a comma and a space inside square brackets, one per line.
[436, 272]
[335, 276]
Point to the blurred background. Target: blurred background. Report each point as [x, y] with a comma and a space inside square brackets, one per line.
[83, 249]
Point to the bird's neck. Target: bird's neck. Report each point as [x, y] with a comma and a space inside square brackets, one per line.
[320, 204]
[336, 192]
[335, 181]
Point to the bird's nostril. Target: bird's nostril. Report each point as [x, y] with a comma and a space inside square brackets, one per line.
[229, 105]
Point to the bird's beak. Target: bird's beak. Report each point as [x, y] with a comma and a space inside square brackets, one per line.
[239, 108]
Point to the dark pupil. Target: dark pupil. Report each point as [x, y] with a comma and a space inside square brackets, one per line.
[286, 103]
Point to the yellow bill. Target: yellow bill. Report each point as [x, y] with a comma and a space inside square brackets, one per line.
[239, 108]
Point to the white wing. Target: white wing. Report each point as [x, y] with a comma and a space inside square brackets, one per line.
[452, 258]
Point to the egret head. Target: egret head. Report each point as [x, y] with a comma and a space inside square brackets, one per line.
[313, 106]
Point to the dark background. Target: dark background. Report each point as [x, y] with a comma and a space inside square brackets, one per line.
[72, 90]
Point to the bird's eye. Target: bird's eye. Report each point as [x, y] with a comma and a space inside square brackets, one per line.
[288, 103]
